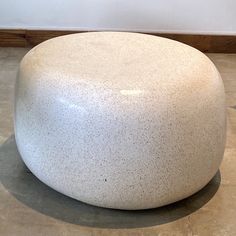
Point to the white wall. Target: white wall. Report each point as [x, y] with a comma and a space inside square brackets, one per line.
[185, 16]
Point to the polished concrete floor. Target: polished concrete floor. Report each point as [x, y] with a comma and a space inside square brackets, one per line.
[28, 207]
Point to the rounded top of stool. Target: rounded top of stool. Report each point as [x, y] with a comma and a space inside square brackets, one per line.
[129, 62]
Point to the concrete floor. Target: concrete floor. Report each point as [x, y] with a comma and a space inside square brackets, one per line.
[28, 207]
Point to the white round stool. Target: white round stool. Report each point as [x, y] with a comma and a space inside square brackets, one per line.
[120, 120]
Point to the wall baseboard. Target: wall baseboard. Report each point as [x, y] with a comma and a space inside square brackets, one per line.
[205, 43]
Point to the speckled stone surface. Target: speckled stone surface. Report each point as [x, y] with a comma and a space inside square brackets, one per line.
[120, 120]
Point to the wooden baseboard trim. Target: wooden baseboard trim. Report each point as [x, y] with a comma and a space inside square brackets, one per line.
[205, 43]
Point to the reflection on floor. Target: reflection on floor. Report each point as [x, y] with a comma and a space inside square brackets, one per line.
[28, 207]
